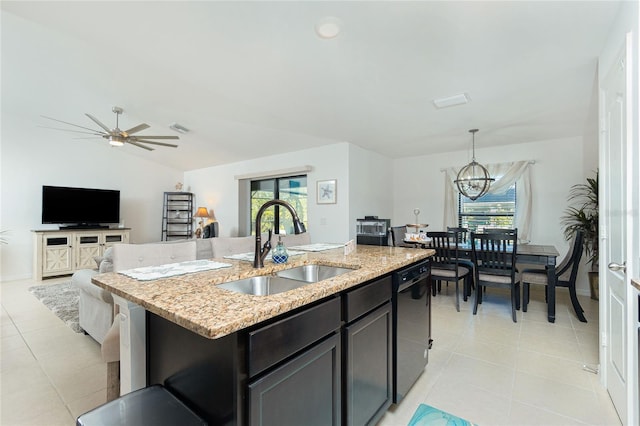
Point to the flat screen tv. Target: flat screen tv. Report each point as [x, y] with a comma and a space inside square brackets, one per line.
[80, 207]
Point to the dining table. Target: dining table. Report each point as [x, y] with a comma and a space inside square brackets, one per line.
[530, 254]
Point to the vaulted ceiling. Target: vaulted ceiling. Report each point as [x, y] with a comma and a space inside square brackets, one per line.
[251, 79]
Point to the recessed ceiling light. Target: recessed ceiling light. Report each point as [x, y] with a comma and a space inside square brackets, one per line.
[450, 101]
[328, 27]
[178, 128]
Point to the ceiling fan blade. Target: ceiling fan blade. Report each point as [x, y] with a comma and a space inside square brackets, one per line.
[95, 120]
[154, 143]
[94, 132]
[70, 124]
[158, 137]
[138, 145]
[136, 129]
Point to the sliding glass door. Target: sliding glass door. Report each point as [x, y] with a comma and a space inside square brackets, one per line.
[292, 189]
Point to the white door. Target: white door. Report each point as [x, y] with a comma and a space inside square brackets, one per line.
[615, 186]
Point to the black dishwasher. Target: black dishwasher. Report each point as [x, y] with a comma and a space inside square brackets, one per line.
[411, 326]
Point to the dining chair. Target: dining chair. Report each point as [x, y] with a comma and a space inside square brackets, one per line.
[566, 274]
[445, 264]
[494, 259]
[462, 233]
[462, 237]
[497, 230]
[397, 237]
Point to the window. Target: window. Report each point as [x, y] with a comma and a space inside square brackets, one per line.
[292, 189]
[488, 211]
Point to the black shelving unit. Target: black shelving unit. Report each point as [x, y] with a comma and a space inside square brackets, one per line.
[177, 216]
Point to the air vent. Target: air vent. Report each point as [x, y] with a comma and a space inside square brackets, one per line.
[179, 128]
[450, 101]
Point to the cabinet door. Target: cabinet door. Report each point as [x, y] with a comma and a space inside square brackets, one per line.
[57, 256]
[110, 238]
[303, 391]
[87, 246]
[368, 367]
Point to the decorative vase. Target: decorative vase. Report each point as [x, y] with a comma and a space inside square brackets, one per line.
[280, 254]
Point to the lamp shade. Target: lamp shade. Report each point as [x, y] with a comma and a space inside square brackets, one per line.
[202, 212]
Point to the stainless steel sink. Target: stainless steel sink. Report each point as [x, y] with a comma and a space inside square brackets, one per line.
[288, 279]
[313, 273]
[263, 285]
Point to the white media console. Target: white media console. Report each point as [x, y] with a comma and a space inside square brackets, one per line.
[64, 251]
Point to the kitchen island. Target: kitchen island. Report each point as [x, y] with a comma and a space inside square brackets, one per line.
[224, 352]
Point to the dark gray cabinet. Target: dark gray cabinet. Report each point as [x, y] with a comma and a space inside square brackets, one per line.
[368, 366]
[328, 363]
[303, 391]
[295, 369]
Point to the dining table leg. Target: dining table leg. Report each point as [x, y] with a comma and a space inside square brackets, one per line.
[551, 292]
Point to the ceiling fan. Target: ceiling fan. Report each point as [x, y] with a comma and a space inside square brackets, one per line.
[117, 137]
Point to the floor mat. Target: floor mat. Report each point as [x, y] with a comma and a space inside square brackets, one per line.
[427, 415]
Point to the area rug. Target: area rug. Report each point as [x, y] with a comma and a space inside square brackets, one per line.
[427, 415]
[61, 299]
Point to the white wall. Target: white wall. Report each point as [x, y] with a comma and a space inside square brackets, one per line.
[32, 157]
[371, 184]
[217, 188]
[419, 182]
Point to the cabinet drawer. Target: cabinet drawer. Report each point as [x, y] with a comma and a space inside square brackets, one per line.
[305, 390]
[274, 343]
[360, 301]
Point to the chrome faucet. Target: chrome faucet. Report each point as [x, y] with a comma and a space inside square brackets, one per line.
[261, 252]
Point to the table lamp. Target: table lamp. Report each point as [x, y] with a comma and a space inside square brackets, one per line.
[202, 213]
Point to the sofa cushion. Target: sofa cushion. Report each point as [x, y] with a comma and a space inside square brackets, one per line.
[293, 239]
[204, 249]
[225, 246]
[82, 280]
[129, 256]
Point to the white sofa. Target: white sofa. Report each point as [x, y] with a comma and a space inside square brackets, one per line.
[96, 304]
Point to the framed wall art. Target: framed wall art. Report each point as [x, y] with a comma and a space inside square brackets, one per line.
[326, 191]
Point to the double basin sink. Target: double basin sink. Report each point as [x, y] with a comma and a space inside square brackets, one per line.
[285, 280]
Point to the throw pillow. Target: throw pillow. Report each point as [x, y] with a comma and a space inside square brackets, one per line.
[98, 260]
[107, 262]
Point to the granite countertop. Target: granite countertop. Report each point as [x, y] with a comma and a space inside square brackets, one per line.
[196, 303]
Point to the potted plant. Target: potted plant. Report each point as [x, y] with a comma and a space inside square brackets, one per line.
[583, 216]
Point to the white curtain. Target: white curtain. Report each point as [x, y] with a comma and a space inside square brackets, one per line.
[517, 172]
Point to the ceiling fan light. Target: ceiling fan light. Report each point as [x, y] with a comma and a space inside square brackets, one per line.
[116, 141]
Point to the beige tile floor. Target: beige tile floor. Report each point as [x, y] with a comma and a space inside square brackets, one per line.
[483, 368]
[491, 371]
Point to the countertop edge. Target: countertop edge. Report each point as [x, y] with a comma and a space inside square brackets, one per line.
[194, 302]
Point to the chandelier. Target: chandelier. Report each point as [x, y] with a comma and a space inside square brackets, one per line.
[473, 180]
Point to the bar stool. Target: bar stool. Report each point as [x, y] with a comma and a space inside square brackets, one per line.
[152, 406]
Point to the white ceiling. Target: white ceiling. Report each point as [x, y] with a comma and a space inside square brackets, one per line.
[252, 79]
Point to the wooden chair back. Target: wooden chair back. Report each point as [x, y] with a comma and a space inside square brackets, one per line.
[494, 253]
[397, 235]
[445, 246]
